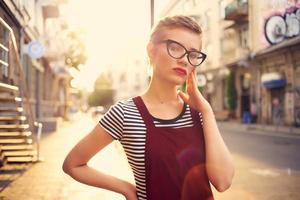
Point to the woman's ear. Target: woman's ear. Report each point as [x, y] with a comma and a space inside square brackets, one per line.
[150, 50]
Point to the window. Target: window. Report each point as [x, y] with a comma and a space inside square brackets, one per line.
[207, 18]
[26, 66]
[4, 54]
[244, 36]
[222, 5]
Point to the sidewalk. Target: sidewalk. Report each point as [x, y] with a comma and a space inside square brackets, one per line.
[280, 131]
[47, 181]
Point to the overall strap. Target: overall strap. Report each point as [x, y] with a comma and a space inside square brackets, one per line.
[144, 112]
[195, 117]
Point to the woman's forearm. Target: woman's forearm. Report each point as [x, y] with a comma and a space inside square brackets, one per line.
[92, 177]
[219, 163]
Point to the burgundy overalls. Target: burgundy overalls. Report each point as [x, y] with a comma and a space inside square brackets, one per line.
[174, 160]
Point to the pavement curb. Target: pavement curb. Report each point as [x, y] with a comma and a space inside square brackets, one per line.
[284, 131]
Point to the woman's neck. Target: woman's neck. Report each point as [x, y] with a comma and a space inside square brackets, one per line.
[161, 92]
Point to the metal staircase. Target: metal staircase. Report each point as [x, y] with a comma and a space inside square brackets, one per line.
[18, 139]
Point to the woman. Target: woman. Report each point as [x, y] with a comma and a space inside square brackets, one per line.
[171, 139]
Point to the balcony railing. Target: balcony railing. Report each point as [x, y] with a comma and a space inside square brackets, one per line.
[237, 10]
[234, 55]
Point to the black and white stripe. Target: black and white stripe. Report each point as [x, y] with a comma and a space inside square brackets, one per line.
[124, 123]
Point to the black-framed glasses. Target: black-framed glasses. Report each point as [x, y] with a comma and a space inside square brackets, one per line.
[178, 51]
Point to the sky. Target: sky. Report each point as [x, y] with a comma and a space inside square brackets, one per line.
[112, 29]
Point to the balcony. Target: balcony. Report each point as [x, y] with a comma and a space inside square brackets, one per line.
[232, 50]
[237, 10]
[235, 56]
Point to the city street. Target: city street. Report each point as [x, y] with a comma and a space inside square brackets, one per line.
[267, 167]
[64, 63]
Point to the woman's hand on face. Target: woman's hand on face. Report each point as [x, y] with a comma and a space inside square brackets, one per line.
[194, 97]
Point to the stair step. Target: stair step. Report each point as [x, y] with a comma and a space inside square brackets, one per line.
[17, 147]
[15, 134]
[7, 87]
[10, 99]
[21, 159]
[16, 141]
[3, 161]
[17, 109]
[20, 153]
[14, 126]
[12, 118]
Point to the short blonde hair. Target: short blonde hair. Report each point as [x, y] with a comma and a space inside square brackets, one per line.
[177, 21]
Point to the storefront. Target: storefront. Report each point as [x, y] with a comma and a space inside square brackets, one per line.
[243, 78]
[279, 63]
[245, 85]
[214, 90]
[280, 83]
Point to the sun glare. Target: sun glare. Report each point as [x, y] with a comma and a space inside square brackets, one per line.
[112, 29]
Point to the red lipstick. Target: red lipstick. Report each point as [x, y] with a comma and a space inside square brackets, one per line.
[180, 71]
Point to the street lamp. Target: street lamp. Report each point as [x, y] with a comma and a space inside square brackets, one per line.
[152, 12]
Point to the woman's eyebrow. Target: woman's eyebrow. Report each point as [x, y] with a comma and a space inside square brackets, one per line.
[193, 49]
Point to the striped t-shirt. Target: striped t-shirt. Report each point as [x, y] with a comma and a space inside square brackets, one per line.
[124, 123]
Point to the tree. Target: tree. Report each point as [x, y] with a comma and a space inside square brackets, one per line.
[230, 98]
[103, 93]
[75, 55]
[183, 88]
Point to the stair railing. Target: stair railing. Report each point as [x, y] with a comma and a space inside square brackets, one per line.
[34, 126]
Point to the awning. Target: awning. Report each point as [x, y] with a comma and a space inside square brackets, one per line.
[274, 84]
[61, 71]
[273, 80]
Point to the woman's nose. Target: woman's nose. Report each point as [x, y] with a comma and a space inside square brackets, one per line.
[184, 60]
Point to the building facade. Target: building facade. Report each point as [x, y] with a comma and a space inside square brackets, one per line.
[130, 73]
[257, 42]
[43, 81]
[278, 59]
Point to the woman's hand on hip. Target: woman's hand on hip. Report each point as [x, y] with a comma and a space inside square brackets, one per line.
[130, 193]
[193, 97]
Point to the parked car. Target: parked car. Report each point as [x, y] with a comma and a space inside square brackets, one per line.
[98, 110]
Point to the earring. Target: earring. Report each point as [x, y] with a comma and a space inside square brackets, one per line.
[149, 70]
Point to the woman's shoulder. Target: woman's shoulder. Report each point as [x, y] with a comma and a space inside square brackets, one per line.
[125, 102]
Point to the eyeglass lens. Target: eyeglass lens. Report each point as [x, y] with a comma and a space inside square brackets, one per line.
[178, 51]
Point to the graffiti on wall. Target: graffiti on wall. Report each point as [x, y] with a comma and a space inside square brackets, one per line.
[277, 4]
[279, 27]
